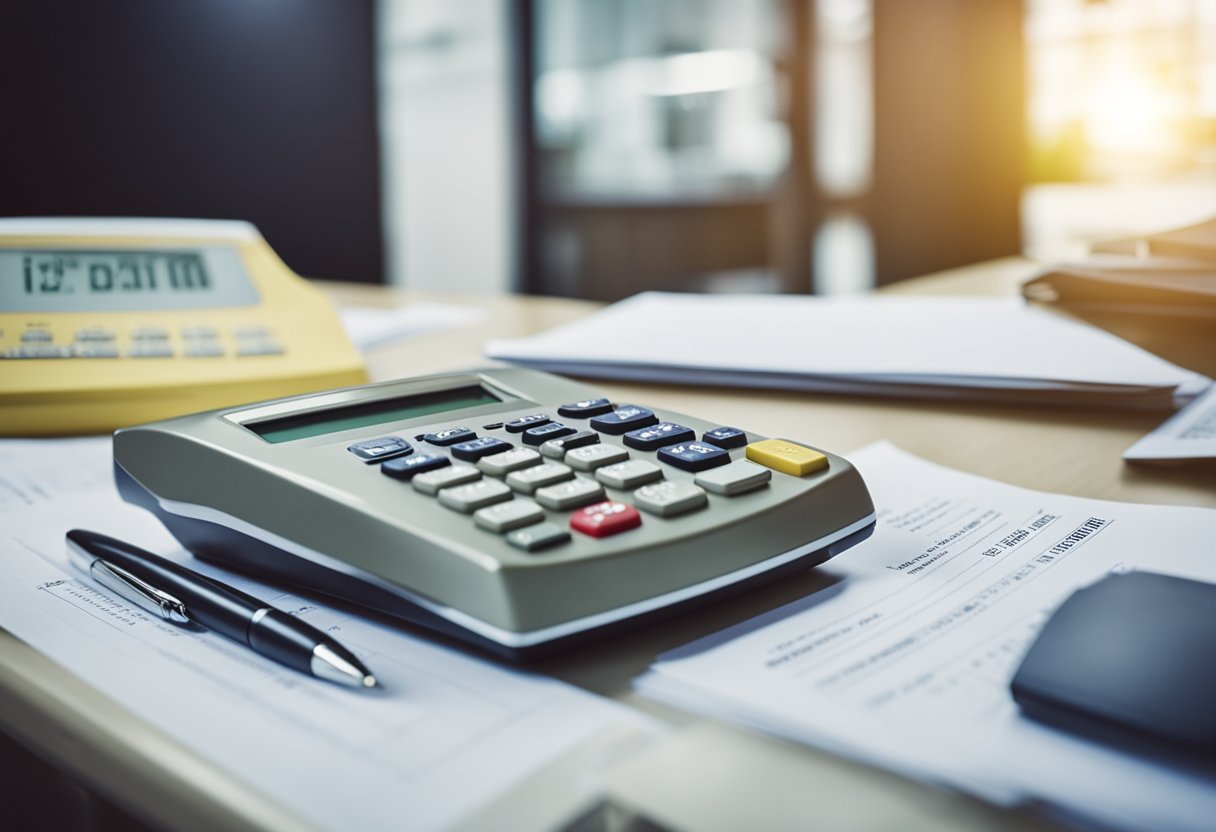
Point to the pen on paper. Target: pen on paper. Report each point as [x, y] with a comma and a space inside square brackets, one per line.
[181, 596]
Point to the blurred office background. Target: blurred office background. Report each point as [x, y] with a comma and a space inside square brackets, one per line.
[596, 148]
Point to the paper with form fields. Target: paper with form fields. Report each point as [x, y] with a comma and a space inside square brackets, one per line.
[905, 661]
[940, 346]
[444, 735]
[1188, 434]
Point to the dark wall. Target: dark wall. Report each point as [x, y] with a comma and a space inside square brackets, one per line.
[949, 160]
[263, 110]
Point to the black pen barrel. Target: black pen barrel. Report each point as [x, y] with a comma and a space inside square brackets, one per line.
[223, 609]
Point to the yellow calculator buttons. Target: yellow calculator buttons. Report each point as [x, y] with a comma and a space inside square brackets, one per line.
[786, 457]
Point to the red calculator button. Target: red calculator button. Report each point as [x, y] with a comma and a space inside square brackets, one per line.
[603, 519]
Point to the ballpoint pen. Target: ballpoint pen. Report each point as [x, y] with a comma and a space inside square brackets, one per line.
[182, 596]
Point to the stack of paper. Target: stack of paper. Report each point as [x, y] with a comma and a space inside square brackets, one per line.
[997, 349]
[905, 662]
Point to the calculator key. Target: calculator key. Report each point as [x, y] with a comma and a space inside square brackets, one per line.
[94, 350]
[524, 422]
[203, 332]
[724, 437]
[585, 409]
[630, 474]
[150, 349]
[433, 481]
[656, 436]
[594, 456]
[553, 430]
[572, 494]
[540, 536]
[670, 498]
[406, 467]
[499, 465]
[94, 334]
[538, 476]
[557, 448]
[476, 495]
[449, 436]
[38, 351]
[607, 518]
[625, 418]
[248, 348]
[693, 456]
[374, 450]
[503, 517]
[739, 477]
[37, 336]
[149, 333]
[202, 349]
[787, 457]
[477, 448]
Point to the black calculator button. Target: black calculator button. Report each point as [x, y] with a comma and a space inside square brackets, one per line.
[625, 418]
[450, 436]
[524, 422]
[585, 409]
[474, 450]
[405, 467]
[556, 448]
[656, 436]
[375, 450]
[724, 437]
[553, 430]
[693, 456]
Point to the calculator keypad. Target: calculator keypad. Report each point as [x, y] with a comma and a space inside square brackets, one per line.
[469, 498]
[568, 479]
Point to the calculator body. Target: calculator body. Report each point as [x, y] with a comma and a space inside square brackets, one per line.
[108, 322]
[519, 549]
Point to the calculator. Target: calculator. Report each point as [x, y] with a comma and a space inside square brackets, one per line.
[107, 322]
[512, 509]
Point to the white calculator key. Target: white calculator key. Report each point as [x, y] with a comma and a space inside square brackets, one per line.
[538, 476]
[432, 481]
[735, 478]
[499, 465]
[572, 494]
[475, 495]
[669, 498]
[590, 457]
[629, 474]
[503, 517]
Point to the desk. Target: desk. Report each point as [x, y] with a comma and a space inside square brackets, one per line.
[707, 776]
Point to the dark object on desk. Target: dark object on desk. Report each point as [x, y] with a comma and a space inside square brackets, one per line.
[1131, 658]
[179, 595]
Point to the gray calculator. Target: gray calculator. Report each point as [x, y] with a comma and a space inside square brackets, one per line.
[513, 509]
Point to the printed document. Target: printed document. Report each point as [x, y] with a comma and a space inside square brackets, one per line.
[1188, 434]
[440, 737]
[953, 347]
[905, 660]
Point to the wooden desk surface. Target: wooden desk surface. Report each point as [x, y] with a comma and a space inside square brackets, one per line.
[708, 776]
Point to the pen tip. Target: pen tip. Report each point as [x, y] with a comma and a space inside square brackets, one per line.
[369, 681]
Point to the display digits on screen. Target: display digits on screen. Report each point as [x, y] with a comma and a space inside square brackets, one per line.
[48, 274]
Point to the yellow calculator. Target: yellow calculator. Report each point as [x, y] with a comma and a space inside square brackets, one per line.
[112, 322]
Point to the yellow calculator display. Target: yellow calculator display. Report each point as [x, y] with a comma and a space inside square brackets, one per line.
[111, 322]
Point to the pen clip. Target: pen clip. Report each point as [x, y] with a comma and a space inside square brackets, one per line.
[134, 589]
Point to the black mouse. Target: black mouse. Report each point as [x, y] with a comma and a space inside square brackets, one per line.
[1130, 659]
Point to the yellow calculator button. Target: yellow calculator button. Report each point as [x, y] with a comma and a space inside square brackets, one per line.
[786, 457]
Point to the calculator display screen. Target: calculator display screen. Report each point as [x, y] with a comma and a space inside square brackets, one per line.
[113, 280]
[337, 419]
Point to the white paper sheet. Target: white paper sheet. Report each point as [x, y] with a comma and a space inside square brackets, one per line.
[906, 660]
[442, 735]
[1188, 434]
[940, 346]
